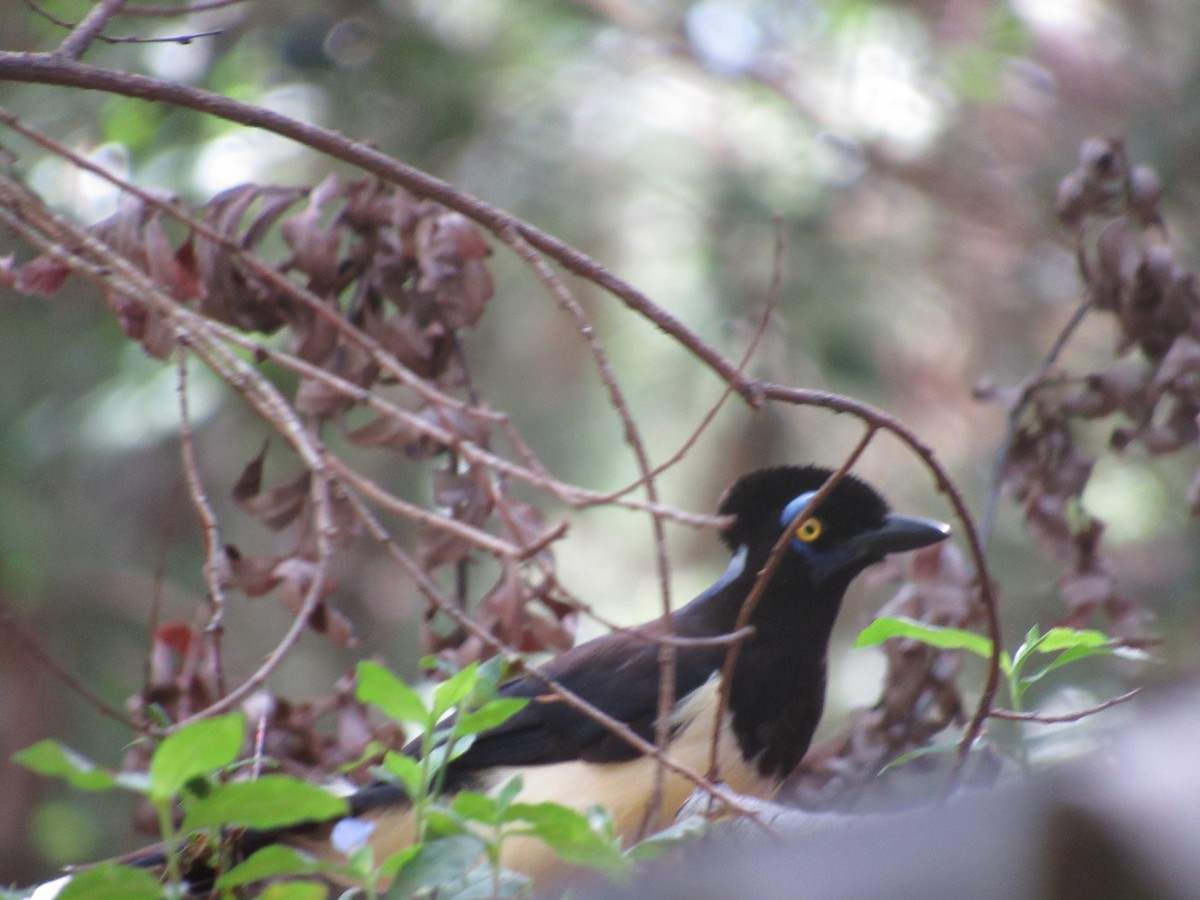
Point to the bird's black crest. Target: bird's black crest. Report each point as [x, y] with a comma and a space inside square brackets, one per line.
[757, 500]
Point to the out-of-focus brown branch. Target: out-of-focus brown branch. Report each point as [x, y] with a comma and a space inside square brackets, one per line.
[88, 29]
[1009, 716]
[31, 646]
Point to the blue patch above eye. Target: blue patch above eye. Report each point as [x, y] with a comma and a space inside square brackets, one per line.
[793, 508]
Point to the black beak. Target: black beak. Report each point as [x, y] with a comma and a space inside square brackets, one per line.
[897, 534]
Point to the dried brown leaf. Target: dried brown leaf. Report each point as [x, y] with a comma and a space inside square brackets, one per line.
[253, 576]
[42, 276]
[230, 294]
[466, 496]
[387, 431]
[294, 578]
[315, 247]
[437, 547]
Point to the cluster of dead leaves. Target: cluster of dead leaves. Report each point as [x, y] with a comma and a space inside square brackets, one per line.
[1129, 272]
[371, 286]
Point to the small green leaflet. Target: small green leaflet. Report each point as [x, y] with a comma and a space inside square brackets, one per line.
[395, 699]
[56, 760]
[935, 635]
[201, 748]
[271, 801]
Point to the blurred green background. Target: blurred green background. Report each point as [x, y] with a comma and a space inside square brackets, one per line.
[908, 150]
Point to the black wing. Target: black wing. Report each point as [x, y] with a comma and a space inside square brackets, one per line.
[617, 673]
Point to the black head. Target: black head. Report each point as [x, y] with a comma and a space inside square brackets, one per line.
[850, 529]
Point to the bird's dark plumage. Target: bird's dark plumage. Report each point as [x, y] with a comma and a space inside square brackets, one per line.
[778, 684]
[778, 687]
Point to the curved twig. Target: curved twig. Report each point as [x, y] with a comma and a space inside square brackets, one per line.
[1009, 715]
[987, 595]
[215, 561]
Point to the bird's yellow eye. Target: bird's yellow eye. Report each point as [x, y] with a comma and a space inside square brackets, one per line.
[809, 530]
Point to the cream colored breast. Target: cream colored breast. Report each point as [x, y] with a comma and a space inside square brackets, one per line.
[624, 789]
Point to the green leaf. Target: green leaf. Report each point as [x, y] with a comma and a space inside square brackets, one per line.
[371, 752]
[481, 884]
[454, 689]
[570, 834]
[195, 750]
[58, 761]
[476, 806]
[110, 881]
[681, 833]
[1065, 638]
[269, 862]
[437, 862]
[404, 769]
[493, 713]
[1068, 656]
[395, 699]
[934, 635]
[1031, 642]
[295, 890]
[271, 801]
[507, 794]
[397, 861]
[440, 824]
[138, 782]
[492, 672]
[448, 748]
[457, 748]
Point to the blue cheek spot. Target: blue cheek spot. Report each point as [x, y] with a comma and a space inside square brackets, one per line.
[792, 510]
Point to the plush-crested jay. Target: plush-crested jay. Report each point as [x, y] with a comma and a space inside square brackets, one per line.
[778, 682]
[774, 701]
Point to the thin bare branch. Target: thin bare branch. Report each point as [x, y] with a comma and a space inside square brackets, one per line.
[88, 29]
[171, 12]
[1010, 716]
[633, 437]
[987, 595]
[215, 566]
[34, 649]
